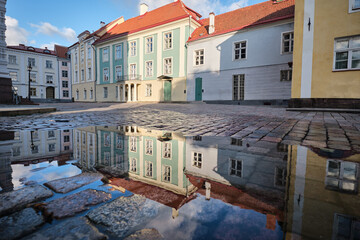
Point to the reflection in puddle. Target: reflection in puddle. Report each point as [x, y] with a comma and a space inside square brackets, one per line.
[202, 187]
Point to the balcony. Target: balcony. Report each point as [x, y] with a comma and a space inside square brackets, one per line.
[128, 77]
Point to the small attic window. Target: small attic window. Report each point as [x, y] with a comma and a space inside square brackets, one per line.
[46, 51]
[31, 48]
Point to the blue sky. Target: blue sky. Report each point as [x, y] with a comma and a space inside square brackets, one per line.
[48, 22]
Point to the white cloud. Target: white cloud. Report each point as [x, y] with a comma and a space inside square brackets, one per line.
[51, 30]
[14, 33]
[50, 46]
[204, 7]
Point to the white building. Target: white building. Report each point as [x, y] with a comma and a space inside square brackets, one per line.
[4, 73]
[245, 54]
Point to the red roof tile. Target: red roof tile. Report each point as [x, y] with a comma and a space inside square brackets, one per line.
[165, 14]
[22, 47]
[61, 51]
[253, 15]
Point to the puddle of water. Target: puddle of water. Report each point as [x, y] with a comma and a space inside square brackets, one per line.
[200, 187]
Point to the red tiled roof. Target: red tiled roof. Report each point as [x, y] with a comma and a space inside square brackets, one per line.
[253, 15]
[61, 51]
[165, 14]
[22, 47]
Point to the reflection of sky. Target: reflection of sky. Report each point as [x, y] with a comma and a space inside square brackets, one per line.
[41, 172]
[214, 219]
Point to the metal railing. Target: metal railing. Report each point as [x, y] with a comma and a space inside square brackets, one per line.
[128, 77]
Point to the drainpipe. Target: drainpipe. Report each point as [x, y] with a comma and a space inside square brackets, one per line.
[95, 77]
[59, 82]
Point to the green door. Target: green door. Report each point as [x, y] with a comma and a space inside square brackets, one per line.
[167, 91]
[198, 89]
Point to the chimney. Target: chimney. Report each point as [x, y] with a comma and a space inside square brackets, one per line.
[102, 24]
[143, 8]
[211, 22]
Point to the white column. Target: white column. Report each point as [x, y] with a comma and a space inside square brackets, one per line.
[123, 96]
[135, 94]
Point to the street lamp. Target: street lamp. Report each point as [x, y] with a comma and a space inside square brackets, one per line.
[29, 68]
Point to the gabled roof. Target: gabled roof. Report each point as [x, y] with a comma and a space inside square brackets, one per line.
[22, 47]
[261, 13]
[168, 13]
[61, 51]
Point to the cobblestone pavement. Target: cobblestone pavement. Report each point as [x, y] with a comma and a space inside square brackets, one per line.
[249, 123]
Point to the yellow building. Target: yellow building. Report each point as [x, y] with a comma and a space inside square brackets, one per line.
[326, 61]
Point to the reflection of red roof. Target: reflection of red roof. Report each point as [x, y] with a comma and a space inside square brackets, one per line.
[61, 51]
[238, 197]
[22, 47]
[162, 15]
[154, 193]
[246, 17]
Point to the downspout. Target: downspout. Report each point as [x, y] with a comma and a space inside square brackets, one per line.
[59, 78]
[95, 77]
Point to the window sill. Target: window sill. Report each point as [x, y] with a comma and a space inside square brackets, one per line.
[345, 70]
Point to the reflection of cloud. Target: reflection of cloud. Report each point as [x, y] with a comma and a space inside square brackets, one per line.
[51, 30]
[14, 33]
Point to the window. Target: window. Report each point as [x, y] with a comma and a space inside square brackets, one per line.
[166, 176]
[166, 150]
[119, 141]
[116, 92]
[346, 227]
[149, 169]
[118, 73]
[52, 147]
[91, 94]
[118, 52]
[89, 53]
[288, 42]
[31, 62]
[119, 161]
[342, 176]
[82, 75]
[167, 40]
[77, 94]
[33, 92]
[107, 158]
[149, 68]
[197, 159]
[35, 149]
[91, 140]
[280, 176]
[48, 64]
[64, 73]
[66, 93]
[106, 74]
[89, 73]
[132, 71]
[33, 77]
[168, 66]
[133, 48]
[82, 55]
[65, 84]
[149, 147]
[132, 144]
[106, 140]
[64, 64]
[66, 139]
[199, 57]
[16, 151]
[76, 58]
[13, 76]
[238, 87]
[76, 77]
[49, 79]
[285, 75]
[51, 134]
[66, 148]
[236, 167]
[148, 90]
[105, 92]
[240, 50]
[12, 59]
[149, 45]
[83, 138]
[105, 55]
[133, 164]
[347, 53]
[354, 5]
[85, 94]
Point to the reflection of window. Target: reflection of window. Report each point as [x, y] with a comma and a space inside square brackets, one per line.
[51, 134]
[133, 165]
[280, 176]
[119, 141]
[346, 227]
[90, 140]
[166, 174]
[347, 53]
[120, 161]
[285, 75]
[354, 5]
[52, 147]
[197, 159]
[236, 167]
[33, 92]
[148, 147]
[33, 77]
[107, 158]
[83, 138]
[35, 149]
[149, 169]
[341, 176]
[106, 140]
[66, 138]
[133, 144]
[16, 151]
[287, 42]
[166, 150]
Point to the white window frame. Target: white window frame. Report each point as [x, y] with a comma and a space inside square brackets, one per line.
[89, 73]
[32, 63]
[133, 73]
[149, 147]
[105, 54]
[82, 56]
[149, 45]
[89, 53]
[291, 42]
[288, 73]
[49, 79]
[171, 66]
[165, 46]
[12, 57]
[196, 56]
[106, 74]
[49, 64]
[349, 50]
[133, 165]
[118, 51]
[148, 90]
[133, 49]
[167, 151]
[340, 178]
[351, 7]
[133, 144]
[13, 75]
[118, 77]
[66, 93]
[235, 169]
[149, 71]
[119, 141]
[246, 50]
[149, 169]
[166, 173]
[76, 58]
[196, 162]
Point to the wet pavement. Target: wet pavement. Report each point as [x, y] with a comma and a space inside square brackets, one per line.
[180, 171]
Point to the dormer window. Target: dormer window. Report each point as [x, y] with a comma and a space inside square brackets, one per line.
[31, 48]
[46, 51]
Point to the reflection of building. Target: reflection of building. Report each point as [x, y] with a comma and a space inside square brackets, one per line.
[5, 166]
[85, 149]
[323, 195]
[5, 81]
[222, 168]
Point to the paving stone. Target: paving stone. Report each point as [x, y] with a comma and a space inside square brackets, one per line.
[16, 200]
[271, 139]
[66, 185]
[72, 204]
[72, 229]
[20, 224]
[145, 234]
